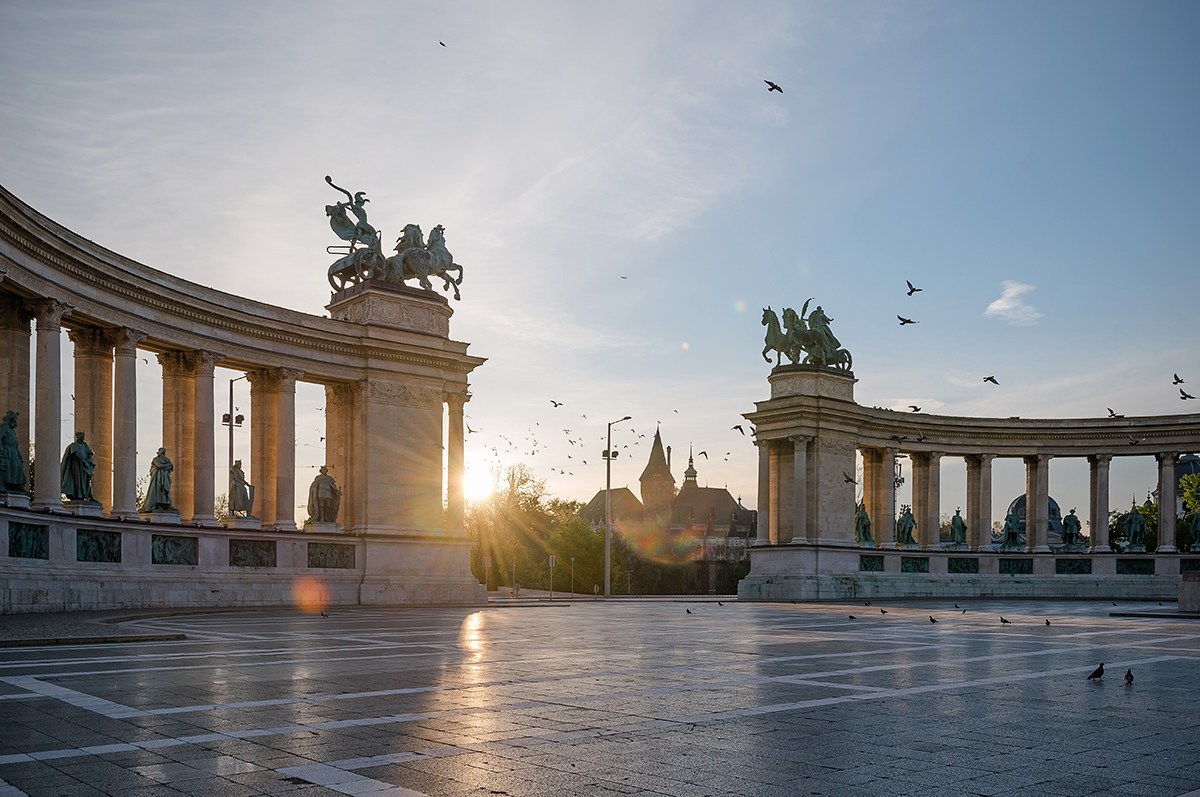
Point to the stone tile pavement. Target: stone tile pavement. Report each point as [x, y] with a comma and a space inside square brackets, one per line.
[623, 697]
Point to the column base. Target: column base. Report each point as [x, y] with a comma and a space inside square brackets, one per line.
[15, 500]
[1134, 549]
[1166, 549]
[887, 546]
[1100, 550]
[46, 505]
[203, 520]
[160, 517]
[286, 526]
[123, 514]
[1039, 549]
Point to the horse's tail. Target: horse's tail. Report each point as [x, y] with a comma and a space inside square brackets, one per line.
[349, 197]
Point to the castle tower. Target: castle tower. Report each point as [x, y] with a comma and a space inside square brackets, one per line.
[658, 485]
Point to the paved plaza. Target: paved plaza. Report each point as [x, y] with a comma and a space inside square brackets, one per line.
[614, 698]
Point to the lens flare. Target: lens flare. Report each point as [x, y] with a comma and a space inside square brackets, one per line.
[739, 305]
[656, 543]
[310, 594]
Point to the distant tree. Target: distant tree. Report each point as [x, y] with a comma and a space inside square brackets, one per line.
[1191, 492]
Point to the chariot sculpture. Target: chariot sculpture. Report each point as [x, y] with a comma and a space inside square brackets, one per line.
[362, 257]
[803, 334]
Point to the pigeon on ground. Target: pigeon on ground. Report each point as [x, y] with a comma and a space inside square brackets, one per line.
[720, 604]
[324, 615]
[956, 606]
[1047, 621]
[852, 617]
[689, 611]
[883, 611]
[964, 611]
[866, 603]
[1097, 674]
[932, 619]
[1129, 677]
[1003, 621]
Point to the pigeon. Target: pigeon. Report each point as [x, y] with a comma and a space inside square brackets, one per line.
[852, 617]
[991, 379]
[914, 408]
[847, 478]
[866, 603]
[740, 429]
[904, 320]
[1047, 621]
[1112, 414]
[1114, 603]
[883, 611]
[964, 611]
[1133, 441]
[773, 86]
[1184, 396]
[920, 436]
[556, 403]
[912, 288]
[1129, 677]
[1004, 621]
[324, 615]
[899, 438]
[442, 43]
[932, 619]
[689, 611]
[720, 604]
[1097, 674]
[956, 606]
[1177, 381]
[702, 454]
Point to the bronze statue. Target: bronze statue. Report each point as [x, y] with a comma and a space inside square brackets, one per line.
[78, 465]
[958, 528]
[12, 462]
[1135, 527]
[324, 498]
[798, 335]
[241, 492]
[862, 526]
[1072, 531]
[905, 526]
[158, 492]
[1012, 531]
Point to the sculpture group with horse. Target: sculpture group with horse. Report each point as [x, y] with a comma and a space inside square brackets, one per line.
[362, 257]
[804, 334]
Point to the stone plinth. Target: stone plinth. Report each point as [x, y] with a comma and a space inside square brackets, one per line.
[808, 380]
[15, 500]
[167, 518]
[389, 305]
[84, 508]
[312, 527]
[1189, 592]
[252, 523]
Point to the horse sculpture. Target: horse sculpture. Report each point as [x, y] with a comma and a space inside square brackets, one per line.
[776, 340]
[795, 337]
[415, 260]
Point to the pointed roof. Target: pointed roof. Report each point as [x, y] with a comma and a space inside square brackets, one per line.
[657, 466]
[689, 475]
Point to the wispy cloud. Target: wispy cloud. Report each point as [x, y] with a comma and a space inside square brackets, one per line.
[1012, 307]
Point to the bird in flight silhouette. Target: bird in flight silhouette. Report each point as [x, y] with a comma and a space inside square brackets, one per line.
[556, 403]
[914, 408]
[899, 438]
[904, 321]
[773, 86]
[847, 478]
[738, 426]
[1112, 414]
[1184, 396]
[1177, 381]
[911, 288]
[991, 379]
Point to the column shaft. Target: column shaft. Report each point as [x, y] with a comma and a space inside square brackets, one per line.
[763, 536]
[285, 451]
[1037, 503]
[802, 528]
[179, 422]
[1166, 503]
[979, 501]
[124, 475]
[883, 524]
[1098, 502]
[774, 486]
[93, 402]
[48, 404]
[14, 365]
[264, 410]
[204, 460]
[455, 503]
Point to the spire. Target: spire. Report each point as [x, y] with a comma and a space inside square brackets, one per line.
[657, 465]
[689, 475]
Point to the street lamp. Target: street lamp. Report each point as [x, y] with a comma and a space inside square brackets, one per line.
[609, 456]
[231, 420]
[897, 482]
[572, 576]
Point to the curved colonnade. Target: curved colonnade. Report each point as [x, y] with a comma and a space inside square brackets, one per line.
[808, 433]
[389, 369]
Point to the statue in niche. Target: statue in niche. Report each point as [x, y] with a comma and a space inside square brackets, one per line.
[1072, 534]
[1135, 527]
[905, 526]
[12, 462]
[241, 492]
[158, 493]
[798, 334]
[1012, 531]
[324, 498]
[78, 465]
[958, 528]
[862, 527]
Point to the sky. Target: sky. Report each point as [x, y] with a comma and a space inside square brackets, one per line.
[626, 195]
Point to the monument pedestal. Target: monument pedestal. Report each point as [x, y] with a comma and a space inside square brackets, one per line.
[15, 500]
[171, 517]
[84, 508]
[243, 523]
[313, 527]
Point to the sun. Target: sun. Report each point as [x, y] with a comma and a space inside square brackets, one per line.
[478, 482]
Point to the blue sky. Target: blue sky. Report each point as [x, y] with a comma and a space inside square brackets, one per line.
[1039, 159]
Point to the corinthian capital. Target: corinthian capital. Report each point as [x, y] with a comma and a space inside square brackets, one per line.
[49, 313]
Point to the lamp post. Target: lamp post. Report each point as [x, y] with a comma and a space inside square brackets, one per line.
[897, 482]
[572, 576]
[609, 456]
[231, 421]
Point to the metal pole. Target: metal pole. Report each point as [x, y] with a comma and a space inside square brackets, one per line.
[608, 458]
[573, 576]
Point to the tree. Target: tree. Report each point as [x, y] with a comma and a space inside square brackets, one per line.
[1190, 484]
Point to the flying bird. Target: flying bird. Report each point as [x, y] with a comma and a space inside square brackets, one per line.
[702, 454]
[852, 617]
[738, 426]
[847, 478]
[689, 611]
[899, 438]
[920, 436]
[556, 403]
[1133, 441]
[442, 43]
[1112, 414]
[1004, 621]
[773, 86]
[991, 379]
[1129, 677]
[914, 408]
[912, 288]
[1177, 381]
[883, 611]
[904, 320]
[932, 619]
[1097, 674]
[1183, 395]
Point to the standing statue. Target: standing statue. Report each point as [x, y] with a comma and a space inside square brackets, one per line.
[1195, 527]
[158, 493]
[78, 465]
[862, 526]
[1012, 531]
[958, 528]
[324, 498]
[905, 526]
[12, 462]
[241, 492]
[1135, 527]
[1072, 531]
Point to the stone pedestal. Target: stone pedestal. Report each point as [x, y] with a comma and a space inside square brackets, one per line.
[312, 527]
[84, 508]
[15, 500]
[242, 523]
[160, 517]
[1134, 549]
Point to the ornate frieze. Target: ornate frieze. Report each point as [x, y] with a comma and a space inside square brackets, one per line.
[393, 311]
[812, 382]
[405, 395]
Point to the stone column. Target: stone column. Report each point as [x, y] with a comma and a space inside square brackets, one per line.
[872, 461]
[775, 488]
[1037, 503]
[264, 419]
[93, 402]
[763, 536]
[204, 460]
[285, 450]
[802, 527]
[1166, 502]
[124, 477]
[927, 486]
[1098, 502]
[48, 447]
[883, 524]
[455, 503]
[979, 501]
[179, 422]
[14, 366]
[344, 449]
